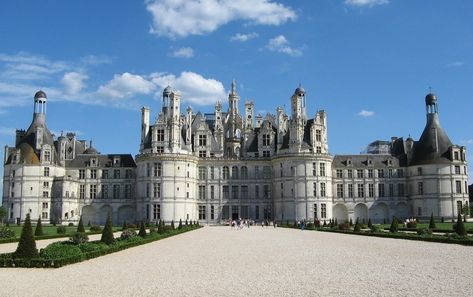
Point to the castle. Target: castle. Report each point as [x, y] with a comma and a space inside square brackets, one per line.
[225, 165]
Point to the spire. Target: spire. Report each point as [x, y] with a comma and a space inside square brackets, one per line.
[233, 87]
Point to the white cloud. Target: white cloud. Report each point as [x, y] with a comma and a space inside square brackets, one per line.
[243, 37]
[369, 3]
[183, 52]
[126, 85]
[95, 60]
[73, 82]
[26, 66]
[194, 87]
[455, 64]
[366, 113]
[181, 18]
[281, 44]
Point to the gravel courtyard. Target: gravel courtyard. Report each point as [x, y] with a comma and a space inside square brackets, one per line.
[217, 261]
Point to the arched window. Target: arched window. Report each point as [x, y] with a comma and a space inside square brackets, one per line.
[234, 172]
[225, 172]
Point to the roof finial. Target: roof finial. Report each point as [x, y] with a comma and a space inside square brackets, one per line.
[233, 86]
[430, 90]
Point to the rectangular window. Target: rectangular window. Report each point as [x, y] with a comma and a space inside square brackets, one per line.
[350, 190]
[157, 190]
[370, 190]
[160, 149]
[202, 154]
[116, 173]
[160, 135]
[340, 190]
[315, 211]
[359, 173]
[318, 149]
[47, 156]
[339, 173]
[257, 212]
[400, 173]
[45, 194]
[267, 172]
[104, 174]
[148, 169]
[45, 184]
[266, 191]
[266, 140]
[391, 190]
[93, 173]
[202, 192]
[314, 169]
[81, 173]
[322, 189]
[456, 156]
[156, 211]
[212, 192]
[322, 169]
[46, 171]
[350, 173]
[201, 212]
[370, 173]
[244, 192]
[266, 154]
[128, 173]
[457, 169]
[104, 191]
[234, 192]
[257, 173]
[244, 172]
[419, 170]
[148, 189]
[318, 135]
[127, 191]
[257, 191]
[361, 190]
[400, 190]
[157, 169]
[45, 205]
[226, 192]
[202, 140]
[380, 173]
[82, 191]
[44, 215]
[202, 173]
[116, 191]
[314, 187]
[381, 190]
[420, 188]
[323, 210]
[390, 172]
[212, 172]
[225, 172]
[458, 187]
[93, 191]
[212, 212]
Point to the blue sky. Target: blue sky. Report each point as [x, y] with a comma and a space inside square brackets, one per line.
[368, 63]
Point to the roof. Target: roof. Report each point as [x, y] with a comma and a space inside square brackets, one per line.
[82, 160]
[377, 160]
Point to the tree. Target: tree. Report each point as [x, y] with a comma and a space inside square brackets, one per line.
[394, 226]
[369, 223]
[161, 227]
[187, 222]
[27, 245]
[357, 227]
[142, 232]
[107, 233]
[460, 227]
[3, 214]
[432, 222]
[80, 226]
[39, 228]
[336, 222]
[351, 222]
[180, 224]
[172, 225]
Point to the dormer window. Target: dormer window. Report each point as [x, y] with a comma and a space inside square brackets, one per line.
[266, 140]
[456, 156]
[348, 162]
[202, 140]
[47, 156]
[116, 161]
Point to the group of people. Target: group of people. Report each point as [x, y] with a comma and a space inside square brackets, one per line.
[240, 224]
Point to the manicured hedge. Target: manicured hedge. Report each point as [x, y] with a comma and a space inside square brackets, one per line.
[6, 260]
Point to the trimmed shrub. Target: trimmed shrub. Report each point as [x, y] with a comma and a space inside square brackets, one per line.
[369, 223]
[27, 245]
[180, 224]
[411, 225]
[107, 233]
[442, 220]
[325, 224]
[172, 225]
[432, 222]
[187, 223]
[80, 226]
[351, 222]
[6, 232]
[357, 227]
[142, 232]
[384, 221]
[394, 226]
[336, 222]
[39, 228]
[424, 231]
[57, 250]
[78, 238]
[61, 230]
[95, 228]
[459, 227]
[127, 234]
[161, 227]
[92, 247]
[89, 224]
[374, 228]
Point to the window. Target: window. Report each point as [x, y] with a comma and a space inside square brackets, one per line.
[105, 174]
[157, 190]
[380, 173]
[266, 191]
[266, 154]
[339, 173]
[359, 173]
[459, 207]
[340, 190]
[93, 191]
[314, 187]
[212, 192]
[257, 212]
[234, 172]
[104, 191]
[45, 194]
[400, 190]
[44, 215]
[315, 211]
[82, 191]
[202, 192]
[457, 169]
[318, 135]
[419, 170]
[267, 172]
[202, 154]
[322, 189]
[148, 189]
[370, 190]
[420, 188]
[323, 210]
[314, 169]
[400, 173]
[257, 191]
[47, 156]
[226, 192]
[244, 172]
[201, 212]
[390, 172]
[157, 169]
[212, 212]
[391, 190]
[381, 190]
[202, 173]
[202, 140]
[350, 173]
[46, 171]
[160, 149]
[350, 190]
[456, 156]
[212, 172]
[116, 191]
[225, 172]
[360, 190]
[370, 173]
[419, 211]
[81, 173]
[93, 173]
[148, 169]
[266, 140]
[466, 187]
[45, 205]
[234, 192]
[322, 169]
[116, 173]
[318, 149]
[458, 187]
[45, 184]
[160, 135]
[127, 191]
[244, 192]
[128, 173]
[156, 211]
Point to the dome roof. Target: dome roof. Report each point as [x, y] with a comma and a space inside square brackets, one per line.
[299, 90]
[167, 90]
[430, 99]
[40, 94]
[91, 151]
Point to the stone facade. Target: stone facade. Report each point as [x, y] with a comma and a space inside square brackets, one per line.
[222, 165]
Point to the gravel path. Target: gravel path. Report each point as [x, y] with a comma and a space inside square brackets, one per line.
[217, 261]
